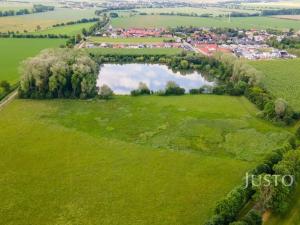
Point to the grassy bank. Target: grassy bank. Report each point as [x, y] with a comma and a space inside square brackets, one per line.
[144, 160]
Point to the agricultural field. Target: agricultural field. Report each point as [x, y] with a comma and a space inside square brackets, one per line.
[14, 5]
[282, 78]
[173, 21]
[67, 30]
[288, 17]
[274, 5]
[211, 10]
[14, 51]
[136, 160]
[140, 51]
[132, 40]
[44, 20]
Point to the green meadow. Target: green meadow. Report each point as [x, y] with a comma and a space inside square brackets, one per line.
[15, 50]
[130, 160]
[139, 51]
[282, 78]
[173, 21]
[67, 30]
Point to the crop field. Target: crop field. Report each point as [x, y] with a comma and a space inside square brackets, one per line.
[131, 160]
[173, 21]
[14, 6]
[129, 40]
[68, 29]
[14, 51]
[140, 51]
[44, 20]
[288, 17]
[211, 10]
[282, 78]
[274, 5]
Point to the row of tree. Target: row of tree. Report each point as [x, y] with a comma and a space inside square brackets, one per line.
[24, 35]
[290, 11]
[84, 20]
[36, 9]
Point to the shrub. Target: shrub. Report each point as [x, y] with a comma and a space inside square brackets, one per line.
[298, 132]
[253, 217]
[105, 92]
[196, 91]
[142, 90]
[5, 86]
[173, 89]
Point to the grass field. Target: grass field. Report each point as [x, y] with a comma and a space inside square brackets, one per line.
[282, 78]
[140, 51]
[13, 51]
[173, 21]
[136, 161]
[68, 30]
[129, 40]
[44, 20]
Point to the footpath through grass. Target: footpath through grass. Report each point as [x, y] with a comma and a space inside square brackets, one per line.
[282, 78]
[14, 51]
[136, 161]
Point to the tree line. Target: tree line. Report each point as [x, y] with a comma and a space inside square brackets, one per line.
[25, 35]
[84, 20]
[38, 8]
[280, 12]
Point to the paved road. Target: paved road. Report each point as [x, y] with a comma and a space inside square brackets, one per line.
[8, 99]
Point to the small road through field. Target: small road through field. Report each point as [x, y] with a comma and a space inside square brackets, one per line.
[8, 99]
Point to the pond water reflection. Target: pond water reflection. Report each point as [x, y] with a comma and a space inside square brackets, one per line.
[124, 78]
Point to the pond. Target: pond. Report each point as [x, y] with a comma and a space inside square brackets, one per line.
[122, 79]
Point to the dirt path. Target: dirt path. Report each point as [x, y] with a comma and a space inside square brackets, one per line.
[8, 99]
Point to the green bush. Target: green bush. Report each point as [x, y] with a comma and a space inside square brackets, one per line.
[253, 217]
[173, 89]
[142, 90]
[105, 92]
